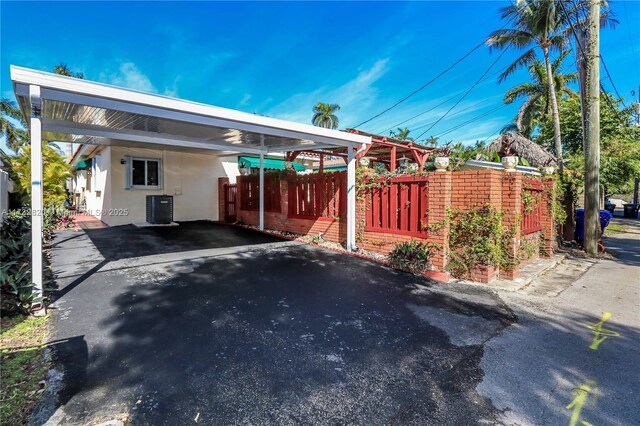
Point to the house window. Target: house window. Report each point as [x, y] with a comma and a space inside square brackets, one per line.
[145, 173]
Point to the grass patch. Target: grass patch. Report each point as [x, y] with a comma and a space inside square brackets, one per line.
[616, 228]
[23, 367]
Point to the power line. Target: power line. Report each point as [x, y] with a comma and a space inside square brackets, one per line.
[496, 132]
[452, 115]
[428, 110]
[464, 95]
[471, 120]
[633, 50]
[465, 56]
[575, 34]
[615, 89]
[422, 113]
[606, 69]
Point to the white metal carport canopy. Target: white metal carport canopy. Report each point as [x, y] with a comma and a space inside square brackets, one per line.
[72, 110]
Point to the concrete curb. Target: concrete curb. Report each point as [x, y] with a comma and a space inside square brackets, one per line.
[519, 283]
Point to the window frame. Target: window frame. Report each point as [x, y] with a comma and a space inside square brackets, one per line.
[129, 177]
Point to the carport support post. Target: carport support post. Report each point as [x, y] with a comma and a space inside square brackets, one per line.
[261, 196]
[35, 130]
[351, 200]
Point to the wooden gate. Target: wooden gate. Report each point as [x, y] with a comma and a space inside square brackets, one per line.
[230, 197]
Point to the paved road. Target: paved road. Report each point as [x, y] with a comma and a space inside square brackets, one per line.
[226, 326]
[229, 326]
[535, 368]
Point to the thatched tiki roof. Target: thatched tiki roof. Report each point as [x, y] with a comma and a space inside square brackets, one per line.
[523, 148]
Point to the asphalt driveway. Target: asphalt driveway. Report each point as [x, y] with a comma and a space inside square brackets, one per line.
[212, 324]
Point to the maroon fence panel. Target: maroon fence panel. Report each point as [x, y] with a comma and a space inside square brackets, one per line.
[230, 199]
[399, 206]
[531, 206]
[318, 195]
[250, 195]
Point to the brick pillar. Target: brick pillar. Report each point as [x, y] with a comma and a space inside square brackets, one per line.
[439, 195]
[222, 181]
[511, 209]
[548, 228]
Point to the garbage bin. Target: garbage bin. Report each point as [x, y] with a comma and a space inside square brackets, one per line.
[631, 211]
[605, 217]
[609, 206]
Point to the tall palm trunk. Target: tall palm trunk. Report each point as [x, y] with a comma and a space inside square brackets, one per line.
[554, 109]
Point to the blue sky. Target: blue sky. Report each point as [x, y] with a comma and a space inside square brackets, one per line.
[279, 59]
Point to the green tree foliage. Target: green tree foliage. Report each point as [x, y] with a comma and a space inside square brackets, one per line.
[401, 134]
[12, 124]
[55, 171]
[324, 115]
[535, 93]
[536, 24]
[619, 142]
[63, 69]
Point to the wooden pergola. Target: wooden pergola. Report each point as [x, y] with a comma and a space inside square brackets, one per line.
[383, 149]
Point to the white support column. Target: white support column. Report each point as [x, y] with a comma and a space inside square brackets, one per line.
[261, 192]
[351, 200]
[35, 130]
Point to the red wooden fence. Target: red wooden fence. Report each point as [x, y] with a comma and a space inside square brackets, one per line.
[531, 206]
[250, 197]
[318, 195]
[398, 208]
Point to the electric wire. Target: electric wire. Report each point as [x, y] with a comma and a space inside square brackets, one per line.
[464, 95]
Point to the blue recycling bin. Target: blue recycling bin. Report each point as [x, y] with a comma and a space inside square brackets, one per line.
[605, 218]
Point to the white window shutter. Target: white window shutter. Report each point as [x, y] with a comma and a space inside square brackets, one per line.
[127, 174]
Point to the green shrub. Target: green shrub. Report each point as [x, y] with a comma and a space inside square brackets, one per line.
[478, 238]
[412, 256]
[15, 255]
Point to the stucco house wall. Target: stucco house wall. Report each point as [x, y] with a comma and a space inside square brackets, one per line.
[191, 178]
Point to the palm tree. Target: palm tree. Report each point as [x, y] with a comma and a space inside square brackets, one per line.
[63, 69]
[537, 24]
[536, 94]
[323, 115]
[10, 117]
[401, 134]
[12, 120]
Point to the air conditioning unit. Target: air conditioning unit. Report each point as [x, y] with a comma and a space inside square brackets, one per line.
[159, 209]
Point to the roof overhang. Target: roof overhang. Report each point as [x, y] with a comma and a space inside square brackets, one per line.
[86, 112]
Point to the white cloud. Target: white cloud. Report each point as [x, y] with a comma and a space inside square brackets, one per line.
[130, 76]
[245, 99]
[353, 96]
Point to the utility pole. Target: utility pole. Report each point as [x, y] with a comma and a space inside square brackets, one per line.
[592, 151]
[637, 105]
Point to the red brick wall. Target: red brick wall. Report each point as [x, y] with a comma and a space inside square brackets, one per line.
[459, 190]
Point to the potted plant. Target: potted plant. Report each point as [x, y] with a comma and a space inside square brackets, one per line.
[243, 169]
[365, 162]
[548, 167]
[442, 159]
[509, 161]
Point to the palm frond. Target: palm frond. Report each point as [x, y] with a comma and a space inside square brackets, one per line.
[524, 60]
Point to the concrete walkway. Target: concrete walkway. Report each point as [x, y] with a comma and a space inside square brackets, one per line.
[557, 353]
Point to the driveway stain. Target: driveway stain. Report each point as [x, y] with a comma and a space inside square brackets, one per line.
[251, 337]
